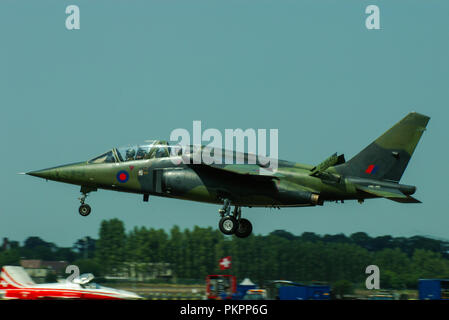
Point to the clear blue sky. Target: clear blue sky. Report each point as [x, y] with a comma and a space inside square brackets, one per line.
[136, 70]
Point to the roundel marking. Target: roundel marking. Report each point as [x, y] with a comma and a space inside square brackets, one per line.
[122, 176]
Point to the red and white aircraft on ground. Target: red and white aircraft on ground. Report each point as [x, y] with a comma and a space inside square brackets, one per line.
[15, 283]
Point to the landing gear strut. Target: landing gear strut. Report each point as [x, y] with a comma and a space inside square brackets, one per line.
[233, 223]
[85, 209]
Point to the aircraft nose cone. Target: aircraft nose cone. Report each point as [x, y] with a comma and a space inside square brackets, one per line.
[45, 173]
[71, 173]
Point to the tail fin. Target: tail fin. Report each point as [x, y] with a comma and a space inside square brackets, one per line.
[12, 277]
[387, 157]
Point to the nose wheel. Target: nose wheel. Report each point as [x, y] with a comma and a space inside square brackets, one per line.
[233, 223]
[84, 208]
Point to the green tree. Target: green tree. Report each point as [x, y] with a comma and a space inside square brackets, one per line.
[394, 266]
[110, 251]
[175, 251]
[36, 248]
[10, 257]
[85, 247]
[428, 264]
[89, 266]
[342, 288]
[361, 239]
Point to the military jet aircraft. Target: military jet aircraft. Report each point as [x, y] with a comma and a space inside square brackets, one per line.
[159, 168]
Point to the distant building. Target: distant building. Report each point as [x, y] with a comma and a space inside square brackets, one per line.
[56, 266]
[31, 264]
[143, 271]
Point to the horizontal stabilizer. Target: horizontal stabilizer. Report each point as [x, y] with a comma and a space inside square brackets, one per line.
[388, 193]
[382, 191]
[408, 199]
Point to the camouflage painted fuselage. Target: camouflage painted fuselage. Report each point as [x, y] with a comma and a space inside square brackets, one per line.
[162, 177]
[374, 172]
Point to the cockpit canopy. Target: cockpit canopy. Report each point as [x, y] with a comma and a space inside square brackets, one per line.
[150, 150]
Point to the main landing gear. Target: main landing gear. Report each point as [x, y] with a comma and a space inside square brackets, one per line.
[233, 224]
[84, 208]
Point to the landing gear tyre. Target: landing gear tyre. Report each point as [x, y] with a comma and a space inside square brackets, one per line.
[228, 225]
[84, 210]
[244, 229]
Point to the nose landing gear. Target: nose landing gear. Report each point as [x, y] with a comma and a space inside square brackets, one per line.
[233, 224]
[84, 208]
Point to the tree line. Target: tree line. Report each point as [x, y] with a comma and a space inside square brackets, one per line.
[193, 254]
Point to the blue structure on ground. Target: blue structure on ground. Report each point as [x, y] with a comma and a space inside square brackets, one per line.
[242, 288]
[433, 289]
[287, 290]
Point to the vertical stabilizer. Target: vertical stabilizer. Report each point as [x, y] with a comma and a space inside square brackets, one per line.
[14, 277]
[387, 157]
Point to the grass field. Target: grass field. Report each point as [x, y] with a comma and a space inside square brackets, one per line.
[198, 292]
[164, 291]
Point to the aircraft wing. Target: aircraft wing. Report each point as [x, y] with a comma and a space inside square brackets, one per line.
[252, 171]
[256, 170]
[249, 169]
[388, 193]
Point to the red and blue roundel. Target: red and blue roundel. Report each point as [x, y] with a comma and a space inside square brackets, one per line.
[372, 169]
[122, 176]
